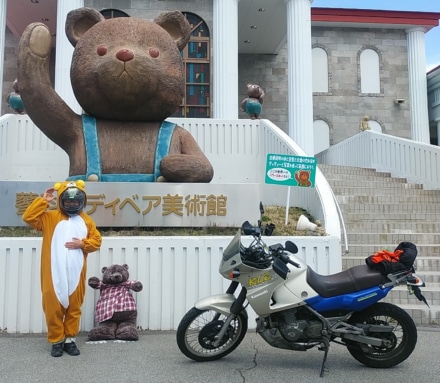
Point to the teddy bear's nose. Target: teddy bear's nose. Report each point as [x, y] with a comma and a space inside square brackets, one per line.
[125, 55]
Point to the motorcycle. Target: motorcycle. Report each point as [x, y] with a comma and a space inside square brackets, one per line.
[298, 309]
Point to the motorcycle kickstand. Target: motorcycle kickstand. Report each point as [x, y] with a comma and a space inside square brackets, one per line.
[325, 347]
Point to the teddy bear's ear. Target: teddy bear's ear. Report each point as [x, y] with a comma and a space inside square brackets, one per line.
[79, 21]
[125, 266]
[176, 24]
[103, 269]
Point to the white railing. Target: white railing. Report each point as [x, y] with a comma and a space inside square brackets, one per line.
[417, 162]
[26, 154]
[175, 272]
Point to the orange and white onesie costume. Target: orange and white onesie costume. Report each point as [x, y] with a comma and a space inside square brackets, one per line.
[63, 270]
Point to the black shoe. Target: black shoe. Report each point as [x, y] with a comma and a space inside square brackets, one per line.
[57, 350]
[71, 348]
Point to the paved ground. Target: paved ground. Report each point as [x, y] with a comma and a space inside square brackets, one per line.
[156, 358]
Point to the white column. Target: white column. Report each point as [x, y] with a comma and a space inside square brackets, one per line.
[2, 46]
[64, 52]
[418, 92]
[225, 59]
[299, 51]
[437, 120]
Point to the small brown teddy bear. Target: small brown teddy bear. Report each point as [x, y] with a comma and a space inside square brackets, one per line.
[14, 99]
[364, 125]
[116, 309]
[252, 104]
[128, 76]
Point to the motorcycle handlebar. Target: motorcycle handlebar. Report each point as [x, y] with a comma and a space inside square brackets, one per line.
[278, 251]
[286, 259]
[297, 265]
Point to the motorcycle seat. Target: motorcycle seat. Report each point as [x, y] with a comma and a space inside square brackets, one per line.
[354, 279]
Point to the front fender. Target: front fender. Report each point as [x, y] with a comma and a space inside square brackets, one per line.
[221, 303]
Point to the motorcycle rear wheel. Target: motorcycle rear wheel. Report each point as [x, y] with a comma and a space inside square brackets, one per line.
[403, 338]
[198, 328]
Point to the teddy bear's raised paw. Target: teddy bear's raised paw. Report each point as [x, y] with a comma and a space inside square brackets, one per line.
[39, 39]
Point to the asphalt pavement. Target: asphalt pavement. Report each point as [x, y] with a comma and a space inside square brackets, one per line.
[156, 358]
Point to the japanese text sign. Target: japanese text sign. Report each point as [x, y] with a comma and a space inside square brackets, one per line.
[132, 204]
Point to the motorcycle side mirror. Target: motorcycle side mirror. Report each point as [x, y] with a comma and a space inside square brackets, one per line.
[291, 247]
[248, 229]
[261, 208]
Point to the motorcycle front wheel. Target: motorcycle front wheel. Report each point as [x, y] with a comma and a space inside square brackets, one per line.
[400, 342]
[198, 331]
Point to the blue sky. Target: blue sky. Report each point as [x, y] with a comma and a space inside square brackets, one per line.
[432, 38]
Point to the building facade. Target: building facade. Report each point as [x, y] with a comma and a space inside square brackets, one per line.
[364, 64]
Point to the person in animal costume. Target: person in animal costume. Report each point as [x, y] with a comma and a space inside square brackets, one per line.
[69, 235]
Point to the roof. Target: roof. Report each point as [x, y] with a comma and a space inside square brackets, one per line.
[372, 18]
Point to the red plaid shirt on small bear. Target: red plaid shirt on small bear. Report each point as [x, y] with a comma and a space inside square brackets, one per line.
[114, 298]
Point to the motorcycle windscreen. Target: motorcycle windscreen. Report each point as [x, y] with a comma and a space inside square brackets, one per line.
[233, 248]
[355, 301]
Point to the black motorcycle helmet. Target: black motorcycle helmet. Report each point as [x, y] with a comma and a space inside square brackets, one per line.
[72, 201]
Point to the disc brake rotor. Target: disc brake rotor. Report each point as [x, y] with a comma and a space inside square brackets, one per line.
[207, 335]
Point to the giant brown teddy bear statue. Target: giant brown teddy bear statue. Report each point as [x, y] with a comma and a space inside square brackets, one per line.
[127, 75]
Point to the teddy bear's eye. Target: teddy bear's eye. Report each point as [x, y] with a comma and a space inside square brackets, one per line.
[154, 52]
[102, 50]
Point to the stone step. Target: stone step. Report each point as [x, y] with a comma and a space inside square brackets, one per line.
[421, 314]
[431, 278]
[362, 191]
[429, 208]
[345, 170]
[336, 178]
[393, 238]
[388, 199]
[427, 263]
[403, 215]
[401, 296]
[422, 264]
[359, 249]
[373, 184]
[396, 227]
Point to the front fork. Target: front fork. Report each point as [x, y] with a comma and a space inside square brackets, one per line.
[236, 308]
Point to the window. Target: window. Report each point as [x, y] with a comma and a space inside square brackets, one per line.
[375, 126]
[369, 68]
[320, 70]
[321, 135]
[113, 13]
[196, 61]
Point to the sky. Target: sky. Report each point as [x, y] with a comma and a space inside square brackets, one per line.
[432, 38]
